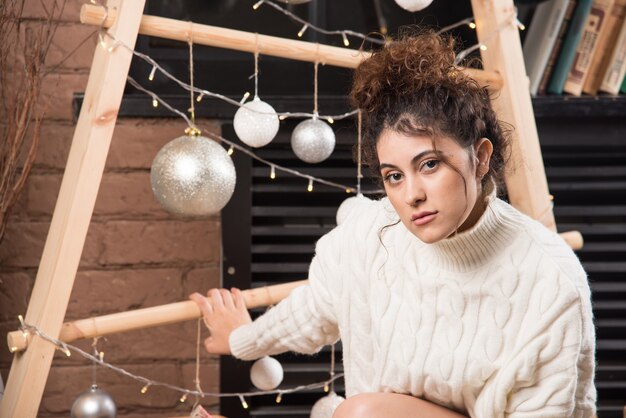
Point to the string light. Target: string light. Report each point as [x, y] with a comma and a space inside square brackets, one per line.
[304, 28]
[244, 98]
[309, 188]
[155, 102]
[151, 76]
[472, 25]
[272, 172]
[330, 120]
[483, 47]
[183, 398]
[199, 98]
[231, 150]
[244, 404]
[519, 24]
[326, 388]
[279, 397]
[345, 40]
[144, 389]
[298, 19]
[31, 329]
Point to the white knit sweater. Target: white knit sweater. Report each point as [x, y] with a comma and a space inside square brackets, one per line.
[493, 322]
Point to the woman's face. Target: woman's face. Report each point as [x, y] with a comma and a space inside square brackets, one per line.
[431, 198]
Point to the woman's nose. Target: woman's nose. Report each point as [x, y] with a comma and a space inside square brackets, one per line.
[414, 191]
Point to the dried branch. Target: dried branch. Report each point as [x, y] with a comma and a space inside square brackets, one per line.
[22, 70]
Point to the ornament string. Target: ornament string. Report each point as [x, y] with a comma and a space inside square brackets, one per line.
[256, 66]
[197, 379]
[332, 367]
[68, 348]
[305, 25]
[192, 109]
[315, 109]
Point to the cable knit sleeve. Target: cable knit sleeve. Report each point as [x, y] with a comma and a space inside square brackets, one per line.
[550, 373]
[303, 322]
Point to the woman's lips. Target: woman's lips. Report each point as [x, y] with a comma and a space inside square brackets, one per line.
[423, 218]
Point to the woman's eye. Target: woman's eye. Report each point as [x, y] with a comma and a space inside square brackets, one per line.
[430, 165]
[393, 177]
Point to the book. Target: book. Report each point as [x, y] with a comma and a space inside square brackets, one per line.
[594, 24]
[556, 49]
[566, 56]
[623, 88]
[541, 38]
[606, 44]
[612, 80]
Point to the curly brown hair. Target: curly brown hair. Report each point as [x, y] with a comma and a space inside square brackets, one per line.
[413, 86]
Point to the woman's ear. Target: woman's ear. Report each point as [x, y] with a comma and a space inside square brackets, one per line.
[483, 150]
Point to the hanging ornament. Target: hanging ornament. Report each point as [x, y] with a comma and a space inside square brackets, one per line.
[313, 140]
[347, 206]
[414, 5]
[193, 175]
[266, 373]
[256, 123]
[325, 407]
[200, 412]
[94, 403]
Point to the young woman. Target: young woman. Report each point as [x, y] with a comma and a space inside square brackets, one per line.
[448, 301]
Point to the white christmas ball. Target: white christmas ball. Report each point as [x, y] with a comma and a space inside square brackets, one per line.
[256, 123]
[313, 140]
[325, 407]
[94, 403]
[347, 206]
[414, 5]
[266, 373]
[193, 175]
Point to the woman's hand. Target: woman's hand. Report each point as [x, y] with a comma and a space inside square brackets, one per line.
[223, 312]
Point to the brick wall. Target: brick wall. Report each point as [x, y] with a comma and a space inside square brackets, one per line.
[135, 255]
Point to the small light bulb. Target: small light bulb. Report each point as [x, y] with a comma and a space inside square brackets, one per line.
[183, 398]
[520, 25]
[330, 120]
[326, 388]
[483, 47]
[101, 355]
[199, 98]
[151, 76]
[272, 173]
[231, 150]
[103, 44]
[301, 32]
[113, 47]
[345, 39]
[310, 186]
[144, 389]
[244, 404]
[348, 190]
[155, 102]
[282, 117]
[13, 349]
[258, 4]
[244, 98]
[67, 352]
[279, 397]
[472, 25]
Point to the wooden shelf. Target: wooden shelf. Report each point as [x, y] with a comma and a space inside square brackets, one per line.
[576, 107]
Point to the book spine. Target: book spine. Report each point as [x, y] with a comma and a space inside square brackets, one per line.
[617, 65]
[541, 38]
[623, 88]
[595, 22]
[566, 57]
[606, 43]
[556, 49]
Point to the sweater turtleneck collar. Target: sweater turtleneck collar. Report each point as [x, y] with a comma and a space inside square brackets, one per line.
[474, 247]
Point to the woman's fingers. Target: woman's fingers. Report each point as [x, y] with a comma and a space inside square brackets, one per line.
[216, 298]
[238, 299]
[227, 298]
[203, 303]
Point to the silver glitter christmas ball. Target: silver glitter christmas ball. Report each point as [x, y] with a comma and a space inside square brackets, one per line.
[266, 373]
[94, 403]
[325, 407]
[256, 123]
[193, 175]
[313, 140]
